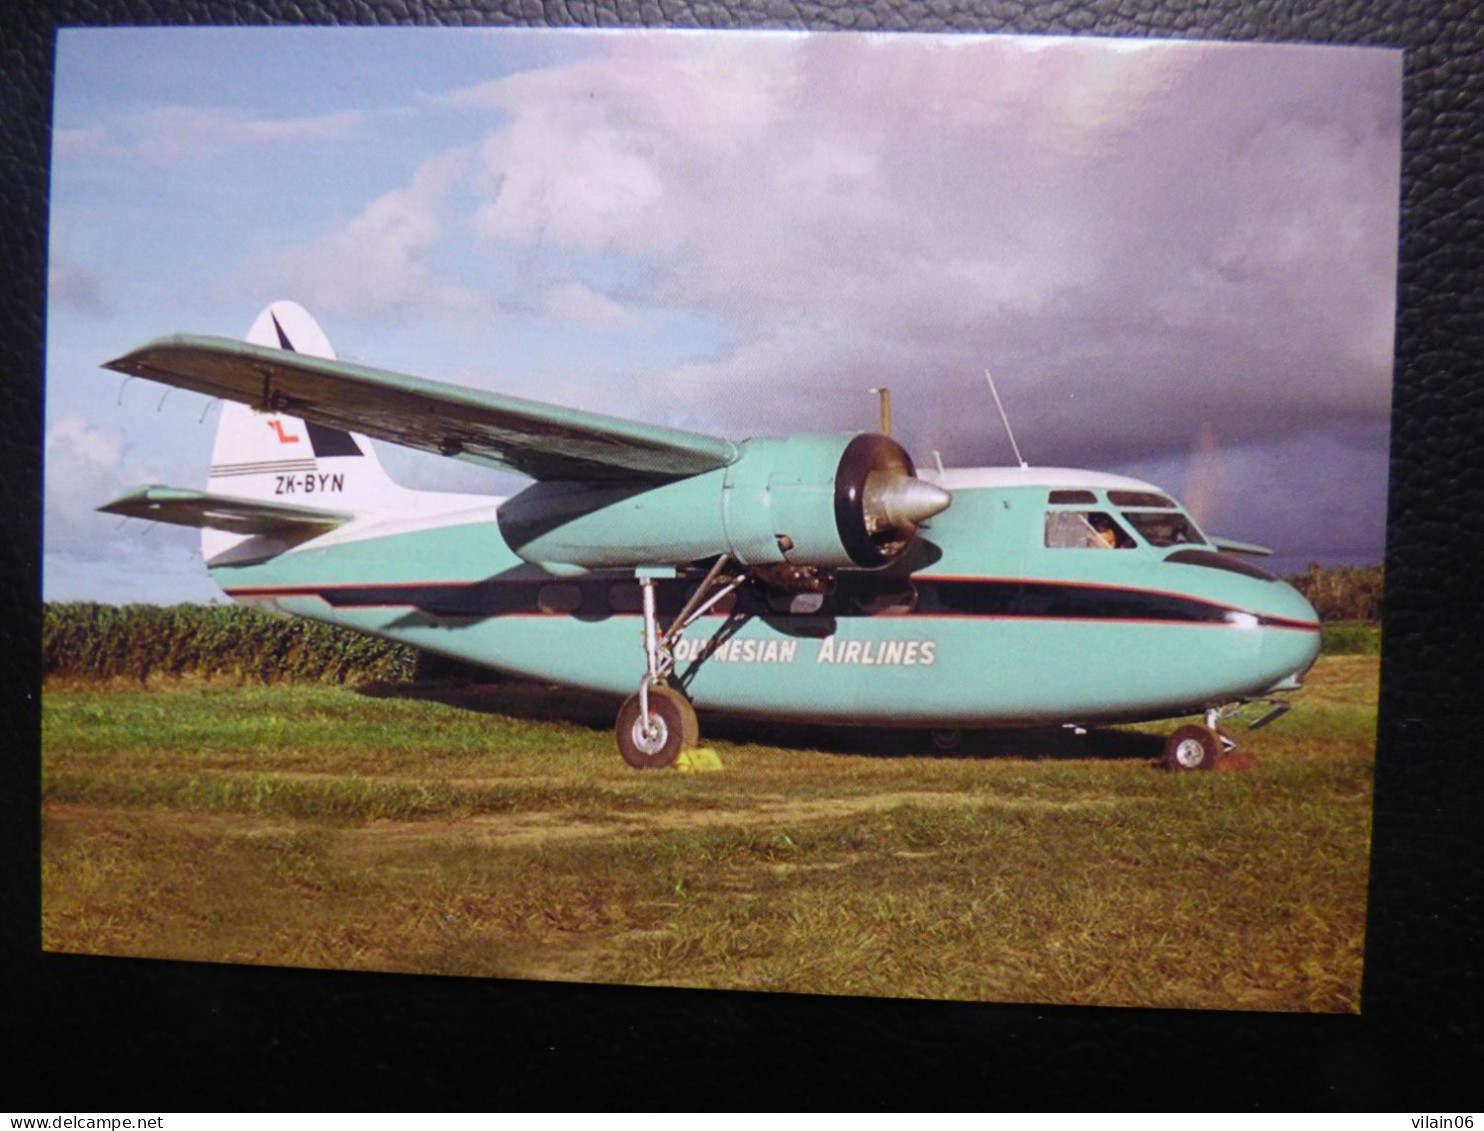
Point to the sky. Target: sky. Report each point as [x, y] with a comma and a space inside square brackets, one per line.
[1177, 258]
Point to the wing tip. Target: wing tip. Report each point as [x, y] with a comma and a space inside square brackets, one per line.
[136, 361]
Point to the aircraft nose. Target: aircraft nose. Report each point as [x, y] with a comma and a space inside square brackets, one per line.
[1288, 603]
[1293, 644]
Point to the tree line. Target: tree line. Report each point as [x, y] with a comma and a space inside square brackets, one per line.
[82, 640]
[1343, 593]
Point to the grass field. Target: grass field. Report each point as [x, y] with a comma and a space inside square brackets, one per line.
[497, 833]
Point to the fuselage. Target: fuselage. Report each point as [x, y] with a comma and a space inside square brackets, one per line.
[1039, 596]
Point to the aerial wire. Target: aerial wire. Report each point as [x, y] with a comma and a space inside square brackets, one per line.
[1005, 417]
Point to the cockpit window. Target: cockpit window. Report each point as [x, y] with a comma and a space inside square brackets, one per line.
[1163, 529]
[1085, 530]
[1141, 499]
[1075, 497]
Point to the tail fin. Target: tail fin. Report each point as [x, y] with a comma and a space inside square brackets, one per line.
[283, 459]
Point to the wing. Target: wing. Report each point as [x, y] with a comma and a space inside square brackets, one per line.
[540, 440]
[224, 512]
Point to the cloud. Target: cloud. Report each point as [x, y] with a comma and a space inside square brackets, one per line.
[71, 286]
[575, 302]
[384, 262]
[73, 440]
[84, 468]
[87, 464]
[1073, 210]
[1201, 220]
[1136, 240]
[173, 133]
[81, 142]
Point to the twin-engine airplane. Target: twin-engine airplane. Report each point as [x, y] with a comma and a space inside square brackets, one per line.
[817, 578]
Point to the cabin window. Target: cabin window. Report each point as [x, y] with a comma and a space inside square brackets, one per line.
[1072, 498]
[1141, 499]
[1160, 529]
[560, 597]
[626, 597]
[1085, 530]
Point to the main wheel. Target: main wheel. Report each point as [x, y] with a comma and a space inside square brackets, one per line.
[1192, 747]
[672, 727]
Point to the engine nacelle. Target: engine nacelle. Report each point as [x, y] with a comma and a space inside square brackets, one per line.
[836, 502]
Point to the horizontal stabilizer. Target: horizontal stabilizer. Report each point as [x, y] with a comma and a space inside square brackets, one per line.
[510, 433]
[1232, 546]
[183, 507]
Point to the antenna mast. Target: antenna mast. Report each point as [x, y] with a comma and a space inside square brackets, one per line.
[885, 394]
[1003, 416]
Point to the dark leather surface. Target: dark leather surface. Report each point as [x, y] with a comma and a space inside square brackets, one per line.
[120, 1035]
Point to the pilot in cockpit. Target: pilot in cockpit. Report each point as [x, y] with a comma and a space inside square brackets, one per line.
[1104, 533]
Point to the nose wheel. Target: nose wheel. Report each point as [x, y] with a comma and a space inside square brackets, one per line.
[1198, 747]
[1192, 747]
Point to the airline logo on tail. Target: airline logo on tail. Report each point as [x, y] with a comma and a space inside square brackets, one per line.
[296, 474]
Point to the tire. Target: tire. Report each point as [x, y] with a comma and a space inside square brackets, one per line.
[673, 729]
[1192, 747]
[690, 730]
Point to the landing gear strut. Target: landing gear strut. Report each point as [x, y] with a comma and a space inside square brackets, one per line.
[657, 722]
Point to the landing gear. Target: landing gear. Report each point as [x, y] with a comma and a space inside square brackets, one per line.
[1197, 747]
[657, 722]
[1192, 747]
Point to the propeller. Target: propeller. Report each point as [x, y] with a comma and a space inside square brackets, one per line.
[902, 502]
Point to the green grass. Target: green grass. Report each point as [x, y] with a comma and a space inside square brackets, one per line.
[305, 825]
[1352, 638]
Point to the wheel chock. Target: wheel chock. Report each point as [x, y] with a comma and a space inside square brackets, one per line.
[1235, 762]
[698, 760]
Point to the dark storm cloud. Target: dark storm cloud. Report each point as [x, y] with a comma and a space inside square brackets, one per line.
[1229, 254]
[1139, 245]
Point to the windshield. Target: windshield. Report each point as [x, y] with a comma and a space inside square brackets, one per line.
[1165, 528]
[1085, 530]
[1074, 520]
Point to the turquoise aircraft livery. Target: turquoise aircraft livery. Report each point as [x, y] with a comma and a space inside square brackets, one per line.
[819, 578]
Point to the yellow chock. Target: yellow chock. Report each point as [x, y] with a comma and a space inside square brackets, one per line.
[698, 760]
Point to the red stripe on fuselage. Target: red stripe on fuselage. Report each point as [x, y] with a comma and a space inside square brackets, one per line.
[1264, 620]
[1269, 621]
